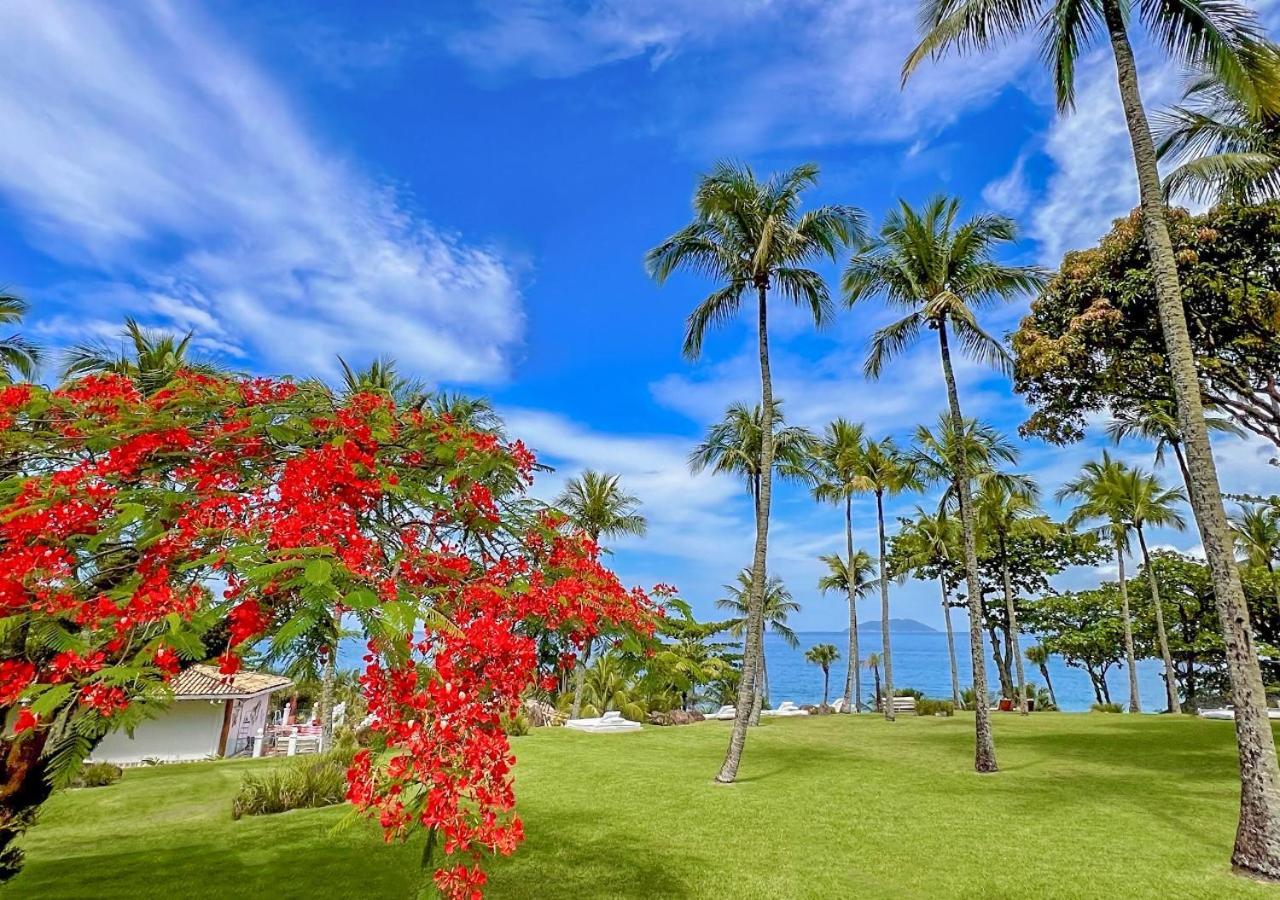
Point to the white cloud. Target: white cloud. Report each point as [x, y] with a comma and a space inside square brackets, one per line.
[145, 148]
[1010, 194]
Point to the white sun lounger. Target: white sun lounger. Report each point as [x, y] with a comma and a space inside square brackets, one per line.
[1226, 712]
[785, 709]
[724, 713]
[609, 723]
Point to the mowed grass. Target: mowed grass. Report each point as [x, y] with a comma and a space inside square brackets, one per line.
[1084, 806]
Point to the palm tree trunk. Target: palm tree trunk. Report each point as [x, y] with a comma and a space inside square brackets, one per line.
[885, 653]
[1044, 671]
[853, 682]
[579, 679]
[762, 688]
[1135, 703]
[1257, 846]
[328, 676]
[875, 670]
[1015, 644]
[951, 646]
[984, 745]
[1162, 638]
[755, 603]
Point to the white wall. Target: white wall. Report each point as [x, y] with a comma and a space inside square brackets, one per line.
[188, 730]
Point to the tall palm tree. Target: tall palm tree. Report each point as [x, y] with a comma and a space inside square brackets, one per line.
[1146, 502]
[1038, 656]
[823, 655]
[1223, 38]
[1156, 420]
[1257, 531]
[148, 358]
[853, 582]
[940, 271]
[1098, 490]
[884, 469]
[596, 504]
[735, 446]
[19, 357]
[1225, 136]
[750, 235]
[933, 541]
[873, 663]
[1004, 506]
[382, 375]
[778, 606]
[836, 481]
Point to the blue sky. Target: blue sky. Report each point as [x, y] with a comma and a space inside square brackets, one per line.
[471, 187]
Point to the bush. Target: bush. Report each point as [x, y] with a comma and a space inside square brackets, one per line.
[305, 782]
[97, 775]
[1106, 708]
[928, 706]
[908, 692]
[515, 726]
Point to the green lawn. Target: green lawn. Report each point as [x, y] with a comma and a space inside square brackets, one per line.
[1085, 806]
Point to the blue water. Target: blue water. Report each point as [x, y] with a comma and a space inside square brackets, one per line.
[920, 662]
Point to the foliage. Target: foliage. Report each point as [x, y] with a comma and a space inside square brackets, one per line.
[1106, 708]
[1092, 340]
[734, 446]
[304, 782]
[928, 706]
[594, 502]
[19, 357]
[1083, 627]
[99, 774]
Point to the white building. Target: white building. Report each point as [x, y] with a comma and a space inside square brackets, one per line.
[212, 715]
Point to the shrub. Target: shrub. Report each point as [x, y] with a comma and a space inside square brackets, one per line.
[97, 775]
[515, 726]
[1106, 708]
[928, 706]
[305, 782]
[908, 692]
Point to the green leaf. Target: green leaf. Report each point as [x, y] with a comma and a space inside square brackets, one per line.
[50, 699]
[319, 571]
[361, 598]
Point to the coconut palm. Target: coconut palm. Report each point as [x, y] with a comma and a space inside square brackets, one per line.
[735, 446]
[1225, 136]
[933, 542]
[1156, 420]
[1222, 38]
[1038, 656]
[1098, 490]
[853, 582]
[836, 481]
[19, 358]
[1004, 506]
[596, 504]
[884, 469]
[1257, 531]
[823, 655]
[873, 663]
[778, 606]
[941, 271]
[148, 358]
[382, 376]
[750, 235]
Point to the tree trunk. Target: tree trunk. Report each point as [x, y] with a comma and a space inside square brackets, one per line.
[580, 679]
[885, 653]
[755, 603]
[1015, 649]
[762, 688]
[1170, 676]
[1257, 846]
[984, 749]
[328, 676]
[23, 789]
[951, 647]
[853, 682]
[826, 685]
[1135, 703]
[878, 698]
[1002, 663]
[1097, 690]
[1044, 671]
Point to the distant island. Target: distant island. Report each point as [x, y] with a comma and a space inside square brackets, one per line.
[897, 626]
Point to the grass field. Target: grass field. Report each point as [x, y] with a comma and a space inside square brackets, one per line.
[1085, 806]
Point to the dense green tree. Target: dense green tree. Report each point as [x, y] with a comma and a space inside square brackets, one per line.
[749, 236]
[823, 655]
[1085, 628]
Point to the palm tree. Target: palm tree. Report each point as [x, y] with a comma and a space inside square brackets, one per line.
[735, 446]
[151, 359]
[1146, 502]
[1225, 136]
[596, 504]
[1222, 38]
[778, 605]
[853, 582]
[932, 541]
[1099, 489]
[19, 358]
[940, 272]
[749, 235]
[873, 663]
[1257, 531]
[382, 376]
[1004, 506]
[1156, 420]
[1038, 656]
[837, 480]
[823, 655]
[884, 469]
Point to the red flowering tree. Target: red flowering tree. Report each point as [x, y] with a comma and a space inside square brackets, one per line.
[138, 533]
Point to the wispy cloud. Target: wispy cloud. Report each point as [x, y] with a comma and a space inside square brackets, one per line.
[151, 154]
